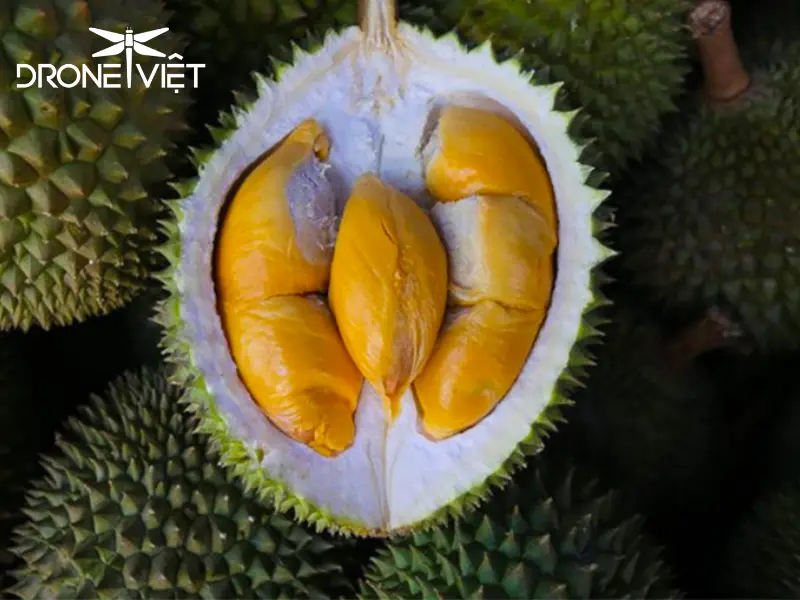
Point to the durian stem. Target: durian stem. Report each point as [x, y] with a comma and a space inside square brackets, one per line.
[725, 76]
[378, 20]
[712, 332]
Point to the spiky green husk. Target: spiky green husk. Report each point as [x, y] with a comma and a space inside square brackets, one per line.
[623, 63]
[551, 533]
[236, 38]
[650, 428]
[135, 505]
[238, 454]
[712, 218]
[78, 167]
[763, 560]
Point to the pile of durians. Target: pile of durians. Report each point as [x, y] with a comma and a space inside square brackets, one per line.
[405, 299]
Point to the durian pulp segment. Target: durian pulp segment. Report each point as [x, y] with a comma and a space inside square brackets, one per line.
[373, 95]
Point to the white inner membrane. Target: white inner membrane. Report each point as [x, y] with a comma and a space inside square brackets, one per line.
[374, 106]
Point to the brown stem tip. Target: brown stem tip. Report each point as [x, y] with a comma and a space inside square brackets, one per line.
[725, 75]
[714, 331]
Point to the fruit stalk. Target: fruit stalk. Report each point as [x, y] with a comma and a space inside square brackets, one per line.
[377, 18]
[725, 76]
[713, 331]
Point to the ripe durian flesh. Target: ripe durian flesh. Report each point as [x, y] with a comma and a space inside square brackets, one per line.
[388, 286]
[376, 92]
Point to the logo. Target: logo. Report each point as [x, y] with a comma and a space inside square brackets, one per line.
[170, 75]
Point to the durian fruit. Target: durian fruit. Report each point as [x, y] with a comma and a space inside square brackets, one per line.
[79, 166]
[553, 533]
[711, 218]
[624, 63]
[763, 557]
[379, 96]
[135, 505]
[649, 418]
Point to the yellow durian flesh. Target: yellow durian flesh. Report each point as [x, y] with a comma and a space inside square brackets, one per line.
[292, 360]
[275, 244]
[277, 233]
[473, 151]
[500, 253]
[388, 287]
[499, 248]
[477, 358]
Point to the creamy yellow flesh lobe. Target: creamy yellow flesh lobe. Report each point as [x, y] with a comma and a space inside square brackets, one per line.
[478, 356]
[275, 244]
[262, 249]
[500, 251]
[388, 286]
[474, 151]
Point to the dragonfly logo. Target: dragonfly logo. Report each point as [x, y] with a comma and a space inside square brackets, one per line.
[170, 75]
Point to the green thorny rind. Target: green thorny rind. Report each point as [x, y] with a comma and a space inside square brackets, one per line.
[245, 463]
[81, 167]
[552, 514]
[622, 63]
[130, 469]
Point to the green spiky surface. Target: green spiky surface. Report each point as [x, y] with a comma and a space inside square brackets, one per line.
[135, 505]
[623, 63]
[552, 533]
[712, 219]
[763, 560]
[235, 38]
[239, 455]
[78, 167]
[649, 427]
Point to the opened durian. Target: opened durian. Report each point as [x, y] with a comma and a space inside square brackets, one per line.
[79, 166]
[712, 217]
[382, 277]
[553, 533]
[135, 505]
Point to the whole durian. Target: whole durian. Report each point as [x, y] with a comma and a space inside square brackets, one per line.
[552, 533]
[79, 166]
[135, 505]
[648, 417]
[711, 218]
[622, 63]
